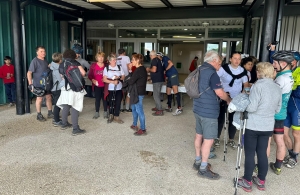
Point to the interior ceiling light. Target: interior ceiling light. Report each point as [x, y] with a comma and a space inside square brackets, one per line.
[191, 41]
[191, 34]
[205, 24]
[145, 29]
[185, 29]
[184, 37]
[200, 34]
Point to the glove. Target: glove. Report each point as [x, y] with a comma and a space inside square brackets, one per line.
[30, 87]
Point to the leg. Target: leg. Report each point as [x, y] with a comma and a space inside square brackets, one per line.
[221, 118]
[280, 153]
[287, 139]
[231, 128]
[13, 92]
[296, 149]
[74, 118]
[104, 100]
[140, 112]
[49, 102]
[250, 144]
[156, 94]
[111, 103]
[56, 109]
[169, 98]
[38, 104]
[198, 137]
[97, 98]
[198, 144]
[118, 100]
[269, 147]
[134, 114]
[8, 92]
[65, 113]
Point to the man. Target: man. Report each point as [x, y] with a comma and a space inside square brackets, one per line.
[157, 76]
[124, 62]
[233, 78]
[194, 64]
[38, 67]
[206, 109]
[282, 64]
[78, 50]
[173, 83]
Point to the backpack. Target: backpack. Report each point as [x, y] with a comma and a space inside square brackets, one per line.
[107, 69]
[73, 75]
[191, 84]
[47, 80]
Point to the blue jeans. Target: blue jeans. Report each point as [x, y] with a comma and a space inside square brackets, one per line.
[10, 90]
[138, 112]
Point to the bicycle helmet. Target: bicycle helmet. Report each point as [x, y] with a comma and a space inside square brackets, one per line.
[77, 48]
[286, 56]
[36, 91]
[296, 55]
[160, 54]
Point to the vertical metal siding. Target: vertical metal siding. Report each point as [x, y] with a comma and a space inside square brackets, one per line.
[5, 40]
[290, 33]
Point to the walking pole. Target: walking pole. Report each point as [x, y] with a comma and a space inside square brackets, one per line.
[244, 116]
[226, 123]
[112, 106]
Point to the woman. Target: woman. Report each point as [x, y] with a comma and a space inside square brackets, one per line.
[96, 76]
[138, 80]
[247, 63]
[113, 75]
[260, 125]
[70, 99]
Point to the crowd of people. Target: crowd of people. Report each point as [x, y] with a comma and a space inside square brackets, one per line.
[272, 109]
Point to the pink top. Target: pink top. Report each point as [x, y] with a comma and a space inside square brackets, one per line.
[96, 73]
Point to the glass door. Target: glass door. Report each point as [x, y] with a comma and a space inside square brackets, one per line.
[215, 45]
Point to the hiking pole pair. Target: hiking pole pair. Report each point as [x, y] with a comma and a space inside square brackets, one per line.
[112, 106]
[225, 127]
[244, 117]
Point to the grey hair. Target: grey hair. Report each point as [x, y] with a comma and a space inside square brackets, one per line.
[111, 57]
[153, 53]
[211, 56]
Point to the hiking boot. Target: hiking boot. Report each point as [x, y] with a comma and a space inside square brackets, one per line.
[65, 126]
[286, 159]
[177, 112]
[207, 173]
[291, 163]
[57, 124]
[78, 131]
[168, 109]
[158, 113]
[97, 115]
[255, 169]
[135, 128]
[50, 115]
[40, 117]
[110, 118]
[129, 110]
[154, 109]
[277, 171]
[232, 144]
[118, 120]
[105, 115]
[212, 155]
[217, 143]
[197, 165]
[140, 132]
[260, 184]
[244, 184]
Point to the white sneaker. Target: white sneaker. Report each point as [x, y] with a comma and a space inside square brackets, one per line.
[177, 112]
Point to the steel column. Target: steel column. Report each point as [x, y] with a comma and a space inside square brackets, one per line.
[64, 36]
[268, 28]
[83, 38]
[279, 19]
[247, 33]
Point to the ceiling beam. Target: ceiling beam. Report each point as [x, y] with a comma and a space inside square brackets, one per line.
[204, 3]
[65, 4]
[288, 1]
[101, 5]
[133, 4]
[167, 3]
[254, 6]
[244, 3]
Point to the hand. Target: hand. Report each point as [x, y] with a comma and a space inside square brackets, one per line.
[273, 47]
[148, 69]
[30, 87]
[115, 82]
[130, 66]
[94, 81]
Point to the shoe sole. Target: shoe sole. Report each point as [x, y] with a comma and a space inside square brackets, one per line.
[258, 187]
[245, 189]
[140, 134]
[74, 134]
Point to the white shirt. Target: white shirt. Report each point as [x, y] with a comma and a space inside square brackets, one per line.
[113, 71]
[237, 84]
[123, 61]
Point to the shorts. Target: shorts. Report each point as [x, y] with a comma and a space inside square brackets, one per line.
[173, 80]
[278, 127]
[207, 127]
[292, 118]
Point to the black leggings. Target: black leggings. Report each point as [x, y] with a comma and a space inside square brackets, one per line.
[99, 94]
[56, 110]
[221, 120]
[256, 141]
[116, 103]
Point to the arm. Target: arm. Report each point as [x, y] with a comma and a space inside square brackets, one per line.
[115, 82]
[91, 72]
[216, 85]
[152, 69]
[170, 64]
[82, 71]
[223, 95]
[29, 77]
[254, 99]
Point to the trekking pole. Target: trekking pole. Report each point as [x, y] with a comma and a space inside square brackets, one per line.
[226, 123]
[244, 116]
[112, 105]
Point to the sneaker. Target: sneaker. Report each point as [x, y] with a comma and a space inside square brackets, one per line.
[140, 132]
[118, 120]
[57, 124]
[128, 110]
[232, 144]
[97, 115]
[154, 109]
[105, 115]
[244, 184]
[135, 128]
[212, 155]
[110, 118]
[158, 113]
[255, 169]
[217, 143]
[168, 109]
[78, 131]
[177, 112]
[197, 165]
[277, 171]
[11, 104]
[286, 159]
[260, 184]
[50, 115]
[291, 163]
[40, 117]
[208, 174]
[65, 126]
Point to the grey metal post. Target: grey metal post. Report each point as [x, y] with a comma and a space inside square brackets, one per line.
[64, 36]
[83, 38]
[254, 40]
[279, 19]
[247, 32]
[268, 28]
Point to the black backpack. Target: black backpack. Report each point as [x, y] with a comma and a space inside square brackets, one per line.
[73, 75]
[47, 80]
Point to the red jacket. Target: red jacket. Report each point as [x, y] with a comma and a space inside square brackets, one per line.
[5, 70]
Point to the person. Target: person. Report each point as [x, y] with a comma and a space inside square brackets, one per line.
[194, 64]
[233, 78]
[78, 50]
[124, 62]
[282, 64]
[139, 79]
[112, 75]
[206, 111]
[172, 84]
[259, 126]
[7, 73]
[38, 67]
[247, 63]
[70, 100]
[58, 83]
[96, 76]
[157, 76]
